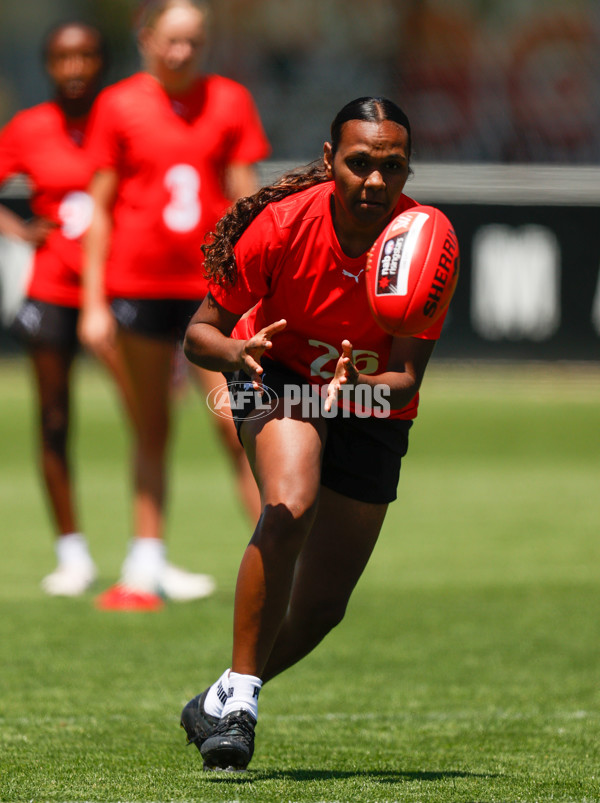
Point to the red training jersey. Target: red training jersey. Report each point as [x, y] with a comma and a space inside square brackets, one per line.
[290, 265]
[51, 151]
[170, 153]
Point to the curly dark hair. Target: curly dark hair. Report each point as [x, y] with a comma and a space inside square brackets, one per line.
[219, 257]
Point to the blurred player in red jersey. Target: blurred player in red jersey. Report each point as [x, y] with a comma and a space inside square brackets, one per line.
[296, 254]
[47, 143]
[173, 149]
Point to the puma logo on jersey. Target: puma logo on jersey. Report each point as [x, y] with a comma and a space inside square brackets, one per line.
[352, 275]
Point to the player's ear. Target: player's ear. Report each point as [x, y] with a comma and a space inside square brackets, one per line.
[328, 159]
[143, 39]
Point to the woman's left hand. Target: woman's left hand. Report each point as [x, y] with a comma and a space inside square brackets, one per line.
[255, 347]
[345, 372]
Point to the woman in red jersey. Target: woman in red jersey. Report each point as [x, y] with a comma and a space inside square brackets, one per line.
[173, 149]
[48, 144]
[295, 254]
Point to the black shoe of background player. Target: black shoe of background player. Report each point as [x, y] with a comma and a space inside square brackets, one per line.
[197, 724]
[231, 744]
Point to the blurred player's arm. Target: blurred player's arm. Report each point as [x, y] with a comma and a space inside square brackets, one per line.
[97, 326]
[241, 180]
[33, 231]
[208, 343]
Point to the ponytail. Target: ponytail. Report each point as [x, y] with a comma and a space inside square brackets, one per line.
[219, 257]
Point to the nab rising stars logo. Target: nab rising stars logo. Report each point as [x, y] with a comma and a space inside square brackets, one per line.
[387, 273]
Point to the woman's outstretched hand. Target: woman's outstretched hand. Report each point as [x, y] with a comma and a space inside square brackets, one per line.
[255, 347]
[345, 372]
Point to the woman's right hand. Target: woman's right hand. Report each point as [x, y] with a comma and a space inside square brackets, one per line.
[97, 329]
[37, 230]
[255, 347]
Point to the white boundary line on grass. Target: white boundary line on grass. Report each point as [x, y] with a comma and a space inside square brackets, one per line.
[235, 800]
[335, 716]
[435, 716]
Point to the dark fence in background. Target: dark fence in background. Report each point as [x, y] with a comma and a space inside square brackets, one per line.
[530, 258]
[529, 283]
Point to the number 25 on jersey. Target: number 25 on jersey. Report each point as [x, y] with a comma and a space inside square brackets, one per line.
[367, 362]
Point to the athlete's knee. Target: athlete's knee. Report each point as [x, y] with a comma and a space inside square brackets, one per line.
[326, 614]
[284, 524]
[55, 428]
[292, 496]
[316, 619]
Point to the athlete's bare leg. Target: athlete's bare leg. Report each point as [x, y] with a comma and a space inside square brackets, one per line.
[328, 568]
[247, 488]
[148, 362]
[52, 370]
[285, 454]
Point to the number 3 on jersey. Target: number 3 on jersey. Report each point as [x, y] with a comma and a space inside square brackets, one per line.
[183, 211]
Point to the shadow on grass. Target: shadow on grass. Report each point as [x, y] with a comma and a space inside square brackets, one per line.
[378, 776]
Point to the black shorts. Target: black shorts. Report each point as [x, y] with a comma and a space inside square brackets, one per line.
[362, 456]
[164, 319]
[38, 323]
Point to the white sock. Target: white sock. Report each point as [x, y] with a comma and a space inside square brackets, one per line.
[144, 564]
[217, 695]
[147, 554]
[243, 694]
[72, 548]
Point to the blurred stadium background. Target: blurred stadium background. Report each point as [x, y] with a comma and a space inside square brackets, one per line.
[504, 98]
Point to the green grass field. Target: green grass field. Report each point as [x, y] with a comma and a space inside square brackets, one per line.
[468, 666]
